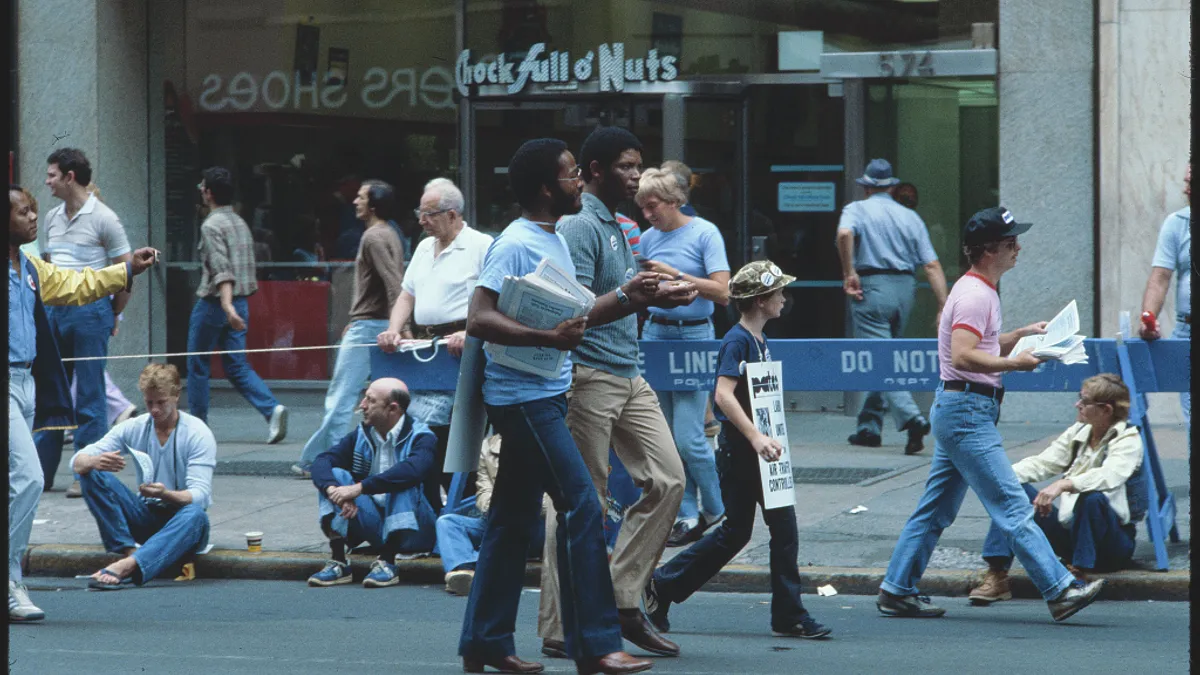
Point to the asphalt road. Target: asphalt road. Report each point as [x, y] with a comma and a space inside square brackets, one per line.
[263, 627]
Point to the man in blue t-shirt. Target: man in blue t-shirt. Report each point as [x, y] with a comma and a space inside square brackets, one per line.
[1173, 254]
[529, 412]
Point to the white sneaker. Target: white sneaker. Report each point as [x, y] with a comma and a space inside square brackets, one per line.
[20, 608]
[277, 428]
[458, 582]
[125, 414]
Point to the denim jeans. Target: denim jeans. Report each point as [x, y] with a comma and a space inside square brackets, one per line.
[24, 469]
[350, 373]
[209, 330]
[460, 534]
[684, 411]
[539, 456]
[741, 487]
[80, 331]
[969, 452]
[1096, 539]
[368, 524]
[166, 532]
[883, 313]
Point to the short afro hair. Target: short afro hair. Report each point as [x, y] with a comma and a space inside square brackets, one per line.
[533, 165]
[605, 145]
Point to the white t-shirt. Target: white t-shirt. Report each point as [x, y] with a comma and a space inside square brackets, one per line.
[442, 285]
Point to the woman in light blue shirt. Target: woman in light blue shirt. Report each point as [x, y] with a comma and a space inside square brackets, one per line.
[690, 249]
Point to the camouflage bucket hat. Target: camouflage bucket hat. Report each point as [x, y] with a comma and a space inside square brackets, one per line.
[758, 278]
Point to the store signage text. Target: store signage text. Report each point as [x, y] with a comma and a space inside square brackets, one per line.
[379, 88]
[607, 63]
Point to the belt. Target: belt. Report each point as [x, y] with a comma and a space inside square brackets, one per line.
[1184, 318]
[27, 365]
[680, 323]
[870, 272]
[439, 330]
[975, 388]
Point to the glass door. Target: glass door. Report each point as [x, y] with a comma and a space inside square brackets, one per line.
[500, 127]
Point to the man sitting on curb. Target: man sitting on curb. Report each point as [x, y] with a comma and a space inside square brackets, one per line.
[168, 514]
[369, 487]
[1092, 527]
[459, 534]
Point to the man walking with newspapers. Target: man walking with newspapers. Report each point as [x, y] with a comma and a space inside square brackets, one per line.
[529, 412]
[611, 404]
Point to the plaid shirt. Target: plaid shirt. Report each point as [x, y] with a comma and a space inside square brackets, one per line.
[227, 254]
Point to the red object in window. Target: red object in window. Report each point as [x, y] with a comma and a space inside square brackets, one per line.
[287, 314]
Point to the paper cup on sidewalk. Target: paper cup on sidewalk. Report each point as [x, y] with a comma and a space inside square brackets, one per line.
[254, 542]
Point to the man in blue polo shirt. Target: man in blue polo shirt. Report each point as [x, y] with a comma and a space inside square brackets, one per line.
[529, 412]
[881, 244]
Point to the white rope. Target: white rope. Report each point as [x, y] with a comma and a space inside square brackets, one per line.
[402, 348]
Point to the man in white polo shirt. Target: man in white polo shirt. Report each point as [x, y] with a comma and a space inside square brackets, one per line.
[433, 301]
[81, 232]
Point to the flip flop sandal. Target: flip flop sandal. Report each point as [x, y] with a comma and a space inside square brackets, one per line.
[98, 585]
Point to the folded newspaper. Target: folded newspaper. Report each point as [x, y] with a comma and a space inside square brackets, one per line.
[542, 299]
[143, 464]
[1060, 341]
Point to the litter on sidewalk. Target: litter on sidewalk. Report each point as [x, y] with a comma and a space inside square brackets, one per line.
[826, 591]
[858, 509]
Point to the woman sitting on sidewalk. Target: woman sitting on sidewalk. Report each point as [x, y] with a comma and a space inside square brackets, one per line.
[1092, 527]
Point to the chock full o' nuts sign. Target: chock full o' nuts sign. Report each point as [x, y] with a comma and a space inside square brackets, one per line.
[559, 72]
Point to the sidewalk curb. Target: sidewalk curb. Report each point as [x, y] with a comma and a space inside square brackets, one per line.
[68, 560]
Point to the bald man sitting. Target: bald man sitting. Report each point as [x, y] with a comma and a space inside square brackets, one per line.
[369, 487]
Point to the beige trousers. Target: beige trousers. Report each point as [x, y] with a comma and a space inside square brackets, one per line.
[607, 410]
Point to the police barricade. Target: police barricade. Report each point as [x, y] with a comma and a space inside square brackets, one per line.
[885, 365]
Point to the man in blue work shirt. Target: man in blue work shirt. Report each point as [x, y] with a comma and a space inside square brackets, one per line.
[1173, 254]
[880, 244]
[33, 356]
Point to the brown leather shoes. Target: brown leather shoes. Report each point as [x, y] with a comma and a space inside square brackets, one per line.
[639, 631]
[616, 663]
[555, 649]
[508, 664]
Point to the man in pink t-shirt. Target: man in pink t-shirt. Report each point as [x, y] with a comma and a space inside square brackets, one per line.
[969, 450]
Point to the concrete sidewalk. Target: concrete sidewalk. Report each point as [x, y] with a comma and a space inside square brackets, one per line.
[253, 490]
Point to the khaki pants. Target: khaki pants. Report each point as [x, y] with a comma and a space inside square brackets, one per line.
[609, 410]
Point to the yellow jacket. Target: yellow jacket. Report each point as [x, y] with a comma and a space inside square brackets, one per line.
[59, 286]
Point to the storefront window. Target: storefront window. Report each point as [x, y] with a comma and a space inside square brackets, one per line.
[303, 100]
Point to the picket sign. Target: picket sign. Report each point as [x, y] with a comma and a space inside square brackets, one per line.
[870, 365]
[764, 381]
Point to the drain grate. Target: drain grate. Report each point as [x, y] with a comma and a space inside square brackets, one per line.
[253, 468]
[829, 475]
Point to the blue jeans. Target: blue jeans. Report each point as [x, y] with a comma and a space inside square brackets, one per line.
[209, 330]
[684, 574]
[350, 373]
[166, 532]
[80, 331]
[460, 534]
[685, 411]
[368, 524]
[1096, 539]
[24, 469]
[969, 452]
[883, 313]
[540, 456]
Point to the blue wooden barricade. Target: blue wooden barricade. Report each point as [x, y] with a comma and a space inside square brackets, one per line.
[881, 365]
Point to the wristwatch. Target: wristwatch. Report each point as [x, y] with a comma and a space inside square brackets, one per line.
[621, 297]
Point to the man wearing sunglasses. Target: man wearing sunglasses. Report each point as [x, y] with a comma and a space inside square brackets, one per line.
[1089, 513]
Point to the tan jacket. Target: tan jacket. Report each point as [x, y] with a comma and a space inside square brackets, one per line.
[485, 476]
[1105, 469]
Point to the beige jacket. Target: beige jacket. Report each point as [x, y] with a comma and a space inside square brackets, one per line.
[1105, 469]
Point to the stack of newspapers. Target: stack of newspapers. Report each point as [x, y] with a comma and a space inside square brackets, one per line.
[542, 299]
[1060, 341]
